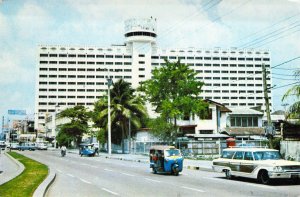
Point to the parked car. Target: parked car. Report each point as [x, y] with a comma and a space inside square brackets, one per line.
[2, 145]
[258, 163]
[13, 146]
[27, 146]
[42, 146]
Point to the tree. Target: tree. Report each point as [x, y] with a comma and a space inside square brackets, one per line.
[125, 107]
[294, 109]
[78, 124]
[174, 92]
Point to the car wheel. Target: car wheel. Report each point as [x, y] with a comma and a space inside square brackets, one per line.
[228, 174]
[263, 177]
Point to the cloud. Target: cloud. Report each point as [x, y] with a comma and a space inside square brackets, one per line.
[31, 21]
[12, 70]
[4, 27]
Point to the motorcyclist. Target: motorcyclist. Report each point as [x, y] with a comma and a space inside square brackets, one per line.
[63, 150]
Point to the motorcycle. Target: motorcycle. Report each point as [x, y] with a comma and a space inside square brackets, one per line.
[63, 153]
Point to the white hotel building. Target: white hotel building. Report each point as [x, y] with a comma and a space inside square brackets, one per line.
[76, 75]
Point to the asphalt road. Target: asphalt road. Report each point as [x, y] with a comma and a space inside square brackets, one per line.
[98, 176]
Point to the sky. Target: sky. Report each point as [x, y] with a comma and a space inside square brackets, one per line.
[260, 24]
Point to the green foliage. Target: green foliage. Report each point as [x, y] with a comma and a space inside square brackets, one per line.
[63, 138]
[125, 107]
[77, 126]
[101, 136]
[174, 91]
[294, 109]
[27, 182]
[276, 143]
[158, 125]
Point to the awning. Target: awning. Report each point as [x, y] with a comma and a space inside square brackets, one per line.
[244, 131]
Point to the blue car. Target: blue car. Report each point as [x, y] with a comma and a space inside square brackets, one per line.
[26, 146]
[166, 159]
[87, 150]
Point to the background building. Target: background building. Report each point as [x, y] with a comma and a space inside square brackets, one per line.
[69, 75]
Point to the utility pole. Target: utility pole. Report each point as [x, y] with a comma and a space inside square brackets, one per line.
[269, 127]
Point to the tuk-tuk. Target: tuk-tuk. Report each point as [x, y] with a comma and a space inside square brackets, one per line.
[166, 159]
[87, 149]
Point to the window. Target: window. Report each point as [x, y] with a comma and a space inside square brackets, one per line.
[227, 154]
[208, 115]
[238, 155]
[248, 156]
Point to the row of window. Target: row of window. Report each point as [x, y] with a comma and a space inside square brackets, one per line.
[85, 55]
[233, 84]
[218, 65]
[84, 62]
[69, 97]
[210, 58]
[86, 76]
[231, 78]
[233, 51]
[227, 71]
[244, 121]
[84, 69]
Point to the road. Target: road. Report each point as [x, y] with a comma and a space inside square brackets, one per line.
[98, 176]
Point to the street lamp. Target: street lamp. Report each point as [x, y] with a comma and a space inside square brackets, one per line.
[54, 125]
[109, 83]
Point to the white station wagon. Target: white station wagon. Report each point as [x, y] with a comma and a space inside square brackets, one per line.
[258, 163]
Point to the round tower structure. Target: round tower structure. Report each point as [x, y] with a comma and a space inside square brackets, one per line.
[140, 30]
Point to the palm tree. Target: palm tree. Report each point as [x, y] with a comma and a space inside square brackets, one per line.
[294, 109]
[125, 107]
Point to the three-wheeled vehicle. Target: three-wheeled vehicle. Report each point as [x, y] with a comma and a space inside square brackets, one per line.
[166, 159]
[87, 149]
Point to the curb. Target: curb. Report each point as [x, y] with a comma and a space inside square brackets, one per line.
[21, 168]
[44, 186]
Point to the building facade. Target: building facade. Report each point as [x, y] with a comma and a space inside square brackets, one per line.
[77, 75]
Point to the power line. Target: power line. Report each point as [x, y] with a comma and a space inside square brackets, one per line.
[286, 85]
[278, 38]
[281, 74]
[284, 79]
[286, 62]
[270, 26]
[295, 69]
[270, 35]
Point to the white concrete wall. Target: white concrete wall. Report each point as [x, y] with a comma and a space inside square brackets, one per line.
[290, 149]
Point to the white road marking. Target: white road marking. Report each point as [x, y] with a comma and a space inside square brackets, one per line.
[59, 170]
[108, 170]
[127, 174]
[114, 193]
[70, 175]
[85, 181]
[197, 190]
[153, 180]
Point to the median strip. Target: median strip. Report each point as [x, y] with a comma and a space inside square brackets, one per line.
[28, 181]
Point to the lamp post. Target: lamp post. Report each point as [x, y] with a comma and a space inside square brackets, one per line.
[54, 121]
[109, 83]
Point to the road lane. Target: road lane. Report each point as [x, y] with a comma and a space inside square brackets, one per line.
[108, 177]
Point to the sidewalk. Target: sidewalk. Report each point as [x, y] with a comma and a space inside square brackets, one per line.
[10, 168]
[188, 163]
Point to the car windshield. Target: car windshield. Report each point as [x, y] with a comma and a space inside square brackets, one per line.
[267, 155]
[172, 152]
